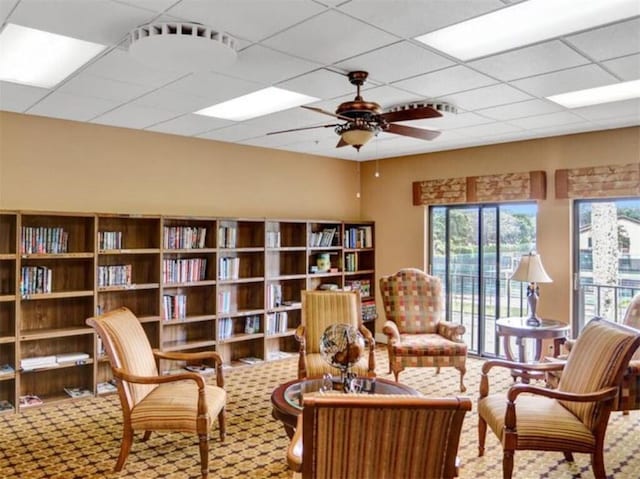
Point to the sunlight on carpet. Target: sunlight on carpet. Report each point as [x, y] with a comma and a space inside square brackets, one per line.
[81, 438]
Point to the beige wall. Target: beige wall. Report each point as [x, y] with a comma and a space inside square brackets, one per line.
[400, 226]
[48, 164]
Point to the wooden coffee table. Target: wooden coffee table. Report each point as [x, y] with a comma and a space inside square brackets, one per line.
[287, 403]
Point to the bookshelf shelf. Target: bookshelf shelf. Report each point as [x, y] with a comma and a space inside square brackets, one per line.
[237, 288]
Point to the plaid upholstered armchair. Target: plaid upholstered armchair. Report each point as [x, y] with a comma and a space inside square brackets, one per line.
[417, 333]
[321, 309]
[180, 402]
[571, 418]
[377, 437]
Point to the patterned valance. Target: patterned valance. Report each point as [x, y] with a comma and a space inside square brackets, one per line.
[598, 181]
[530, 185]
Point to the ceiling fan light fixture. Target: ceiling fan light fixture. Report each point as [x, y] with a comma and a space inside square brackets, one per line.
[182, 46]
[355, 134]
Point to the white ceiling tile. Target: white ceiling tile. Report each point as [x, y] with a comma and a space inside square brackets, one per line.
[623, 122]
[341, 37]
[550, 119]
[15, 97]
[213, 87]
[133, 116]
[99, 21]
[155, 6]
[487, 96]
[288, 119]
[563, 129]
[450, 121]
[172, 100]
[579, 78]
[533, 60]
[85, 84]
[489, 129]
[5, 8]
[320, 84]
[627, 68]
[268, 65]
[119, 65]
[444, 82]
[520, 109]
[395, 62]
[410, 18]
[71, 107]
[236, 132]
[254, 20]
[610, 42]
[618, 109]
[189, 125]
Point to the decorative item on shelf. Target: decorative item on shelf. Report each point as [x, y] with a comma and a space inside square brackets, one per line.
[341, 346]
[530, 270]
[323, 262]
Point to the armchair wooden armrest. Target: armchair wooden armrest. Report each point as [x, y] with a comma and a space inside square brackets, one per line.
[294, 451]
[487, 366]
[124, 376]
[193, 357]
[391, 330]
[451, 331]
[299, 335]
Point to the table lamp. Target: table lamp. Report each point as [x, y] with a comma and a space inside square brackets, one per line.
[530, 270]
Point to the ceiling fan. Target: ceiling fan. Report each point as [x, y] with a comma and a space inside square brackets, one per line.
[365, 119]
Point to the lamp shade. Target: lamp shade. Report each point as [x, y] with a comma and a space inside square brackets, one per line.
[357, 137]
[530, 270]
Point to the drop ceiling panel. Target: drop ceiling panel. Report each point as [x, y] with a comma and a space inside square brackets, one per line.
[172, 100]
[19, 98]
[450, 121]
[520, 109]
[133, 116]
[444, 82]
[86, 84]
[487, 96]
[609, 42]
[542, 58]
[320, 84]
[397, 61]
[253, 20]
[580, 78]
[489, 129]
[5, 8]
[618, 109]
[234, 133]
[340, 37]
[213, 87]
[71, 107]
[550, 119]
[189, 125]
[627, 68]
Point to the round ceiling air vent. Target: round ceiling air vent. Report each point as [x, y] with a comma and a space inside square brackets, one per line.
[441, 106]
[182, 46]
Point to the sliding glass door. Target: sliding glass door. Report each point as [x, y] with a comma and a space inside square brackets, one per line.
[474, 250]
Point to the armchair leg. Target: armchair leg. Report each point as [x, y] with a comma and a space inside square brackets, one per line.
[222, 424]
[507, 464]
[462, 370]
[147, 435]
[204, 454]
[597, 463]
[568, 456]
[482, 435]
[125, 447]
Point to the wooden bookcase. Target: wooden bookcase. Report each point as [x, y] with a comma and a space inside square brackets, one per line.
[196, 283]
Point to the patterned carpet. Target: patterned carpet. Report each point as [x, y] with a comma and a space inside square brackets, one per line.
[81, 439]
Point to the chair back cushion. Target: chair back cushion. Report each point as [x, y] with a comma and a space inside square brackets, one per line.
[321, 309]
[632, 318]
[413, 300]
[128, 349]
[377, 436]
[597, 361]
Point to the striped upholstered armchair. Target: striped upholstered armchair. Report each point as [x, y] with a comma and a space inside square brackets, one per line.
[377, 437]
[321, 309]
[571, 418]
[417, 333]
[150, 402]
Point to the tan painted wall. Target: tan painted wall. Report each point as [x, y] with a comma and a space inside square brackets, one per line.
[400, 226]
[48, 164]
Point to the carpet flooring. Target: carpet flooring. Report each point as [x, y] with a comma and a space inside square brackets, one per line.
[81, 438]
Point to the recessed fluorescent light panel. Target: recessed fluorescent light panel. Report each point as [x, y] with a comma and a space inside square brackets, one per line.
[525, 23]
[38, 58]
[258, 103]
[602, 94]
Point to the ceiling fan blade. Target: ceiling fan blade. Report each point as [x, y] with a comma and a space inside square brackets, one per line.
[325, 112]
[303, 128]
[419, 113]
[342, 143]
[413, 132]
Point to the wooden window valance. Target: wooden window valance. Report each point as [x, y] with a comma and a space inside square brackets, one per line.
[598, 181]
[530, 185]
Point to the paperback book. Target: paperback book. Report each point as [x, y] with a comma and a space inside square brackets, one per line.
[30, 400]
[78, 392]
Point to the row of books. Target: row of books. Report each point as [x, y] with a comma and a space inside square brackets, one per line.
[324, 238]
[274, 295]
[351, 262]
[226, 329]
[369, 312]
[227, 237]
[40, 239]
[174, 306]
[277, 322]
[184, 270]
[183, 237]
[38, 362]
[273, 239]
[114, 275]
[360, 237]
[229, 268]
[224, 301]
[109, 240]
[35, 280]
[362, 285]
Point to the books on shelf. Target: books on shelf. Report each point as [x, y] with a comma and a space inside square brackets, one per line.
[106, 387]
[43, 240]
[274, 296]
[200, 369]
[174, 306]
[273, 239]
[369, 312]
[252, 324]
[184, 270]
[29, 364]
[272, 355]
[6, 406]
[6, 370]
[277, 323]
[250, 360]
[109, 240]
[72, 358]
[183, 237]
[229, 268]
[362, 285]
[29, 400]
[321, 239]
[35, 280]
[358, 237]
[227, 237]
[225, 328]
[224, 301]
[77, 392]
[351, 262]
[114, 275]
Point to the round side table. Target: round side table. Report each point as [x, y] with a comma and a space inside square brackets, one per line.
[519, 329]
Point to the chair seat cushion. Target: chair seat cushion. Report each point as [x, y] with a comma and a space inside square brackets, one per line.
[542, 423]
[174, 406]
[317, 366]
[428, 345]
